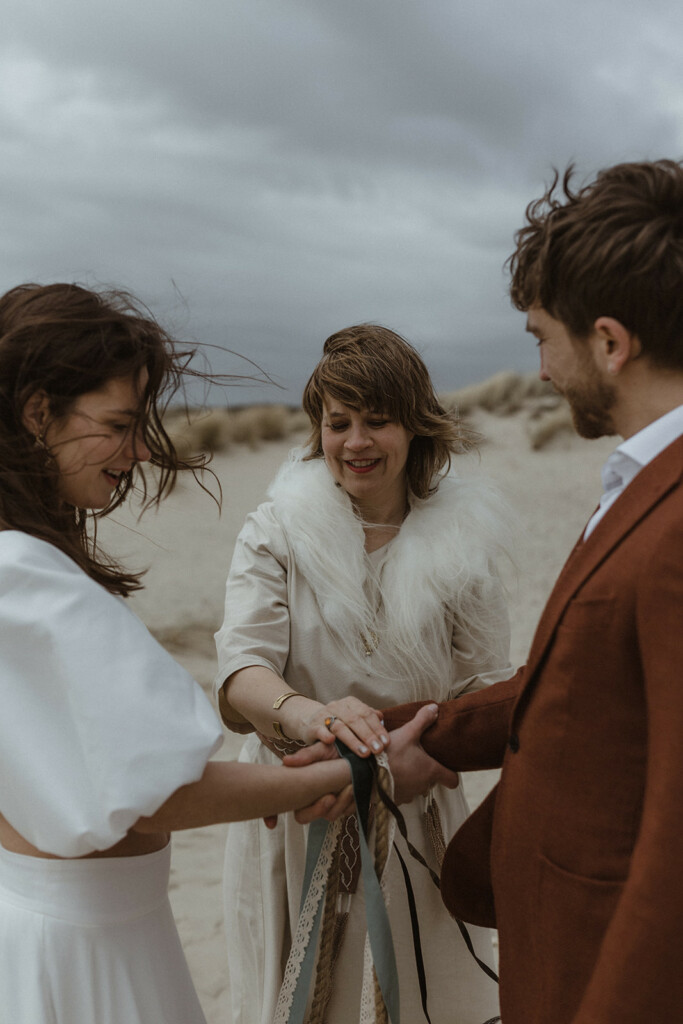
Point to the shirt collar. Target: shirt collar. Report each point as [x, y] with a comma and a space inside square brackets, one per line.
[631, 455]
[644, 446]
[618, 471]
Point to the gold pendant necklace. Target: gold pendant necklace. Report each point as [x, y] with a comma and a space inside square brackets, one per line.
[370, 641]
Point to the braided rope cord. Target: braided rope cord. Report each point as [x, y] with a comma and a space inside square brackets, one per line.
[434, 829]
[330, 942]
[382, 849]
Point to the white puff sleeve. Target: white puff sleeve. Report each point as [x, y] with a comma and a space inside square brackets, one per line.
[98, 724]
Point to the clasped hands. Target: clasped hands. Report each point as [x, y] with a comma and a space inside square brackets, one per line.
[413, 770]
[348, 719]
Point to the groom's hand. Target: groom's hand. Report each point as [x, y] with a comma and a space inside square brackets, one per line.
[414, 772]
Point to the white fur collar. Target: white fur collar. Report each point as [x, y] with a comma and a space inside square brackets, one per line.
[434, 570]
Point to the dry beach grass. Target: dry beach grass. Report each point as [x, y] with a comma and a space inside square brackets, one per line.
[551, 488]
[505, 394]
[217, 430]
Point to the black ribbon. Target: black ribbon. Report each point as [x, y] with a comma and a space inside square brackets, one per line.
[417, 944]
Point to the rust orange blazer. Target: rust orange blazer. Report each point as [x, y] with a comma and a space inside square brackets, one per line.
[577, 854]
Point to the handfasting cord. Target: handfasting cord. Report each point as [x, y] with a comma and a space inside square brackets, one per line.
[383, 839]
[400, 822]
[322, 839]
[379, 931]
[321, 854]
[324, 971]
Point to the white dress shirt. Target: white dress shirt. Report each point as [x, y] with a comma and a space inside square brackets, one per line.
[631, 455]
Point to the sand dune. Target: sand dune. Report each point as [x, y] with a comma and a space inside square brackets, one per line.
[551, 492]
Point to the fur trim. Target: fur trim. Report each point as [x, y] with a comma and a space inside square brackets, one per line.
[437, 570]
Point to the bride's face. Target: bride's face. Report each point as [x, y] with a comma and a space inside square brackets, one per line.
[98, 442]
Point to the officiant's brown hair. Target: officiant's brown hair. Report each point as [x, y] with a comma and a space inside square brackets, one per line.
[371, 367]
[611, 248]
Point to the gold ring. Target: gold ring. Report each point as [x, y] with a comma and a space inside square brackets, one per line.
[329, 721]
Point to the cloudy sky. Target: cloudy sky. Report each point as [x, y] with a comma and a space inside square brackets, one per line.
[264, 172]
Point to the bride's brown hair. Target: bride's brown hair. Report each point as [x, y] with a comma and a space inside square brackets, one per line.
[64, 341]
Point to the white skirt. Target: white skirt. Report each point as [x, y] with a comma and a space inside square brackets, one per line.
[91, 942]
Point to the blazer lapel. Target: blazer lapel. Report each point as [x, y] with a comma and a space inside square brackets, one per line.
[643, 493]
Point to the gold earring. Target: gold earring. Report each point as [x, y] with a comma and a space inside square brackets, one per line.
[39, 442]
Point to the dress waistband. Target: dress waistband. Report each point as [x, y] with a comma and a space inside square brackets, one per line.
[86, 891]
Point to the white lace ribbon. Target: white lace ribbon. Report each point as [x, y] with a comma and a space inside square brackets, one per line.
[379, 951]
[302, 952]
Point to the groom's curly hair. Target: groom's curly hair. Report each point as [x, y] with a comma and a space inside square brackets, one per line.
[613, 247]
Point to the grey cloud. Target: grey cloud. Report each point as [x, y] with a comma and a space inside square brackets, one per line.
[264, 171]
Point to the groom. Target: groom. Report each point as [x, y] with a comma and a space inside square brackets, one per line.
[577, 855]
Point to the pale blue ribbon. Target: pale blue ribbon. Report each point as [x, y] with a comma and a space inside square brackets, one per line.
[379, 930]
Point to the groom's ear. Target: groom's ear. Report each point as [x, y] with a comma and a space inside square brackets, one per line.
[614, 345]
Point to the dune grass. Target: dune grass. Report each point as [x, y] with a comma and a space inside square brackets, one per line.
[217, 430]
[504, 394]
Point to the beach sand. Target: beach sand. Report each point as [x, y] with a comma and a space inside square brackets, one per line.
[188, 546]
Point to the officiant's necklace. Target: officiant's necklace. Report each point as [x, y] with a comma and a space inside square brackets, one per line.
[369, 637]
[370, 641]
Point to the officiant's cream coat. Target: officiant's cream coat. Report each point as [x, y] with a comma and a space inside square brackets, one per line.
[300, 592]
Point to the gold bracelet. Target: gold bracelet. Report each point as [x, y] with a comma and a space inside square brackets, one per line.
[285, 696]
[277, 728]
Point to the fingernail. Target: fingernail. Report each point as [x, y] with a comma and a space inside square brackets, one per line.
[385, 739]
[362, 749]
[376, 745]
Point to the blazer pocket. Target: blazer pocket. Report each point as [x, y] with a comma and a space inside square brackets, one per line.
[589, 614]
[573, 914]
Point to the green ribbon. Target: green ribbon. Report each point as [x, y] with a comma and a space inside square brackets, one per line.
[379, 931]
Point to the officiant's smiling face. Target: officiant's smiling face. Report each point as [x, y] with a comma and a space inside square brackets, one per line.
[366, 452]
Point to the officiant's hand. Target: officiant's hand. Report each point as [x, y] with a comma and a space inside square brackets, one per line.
[348, 719]
[414, 771]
